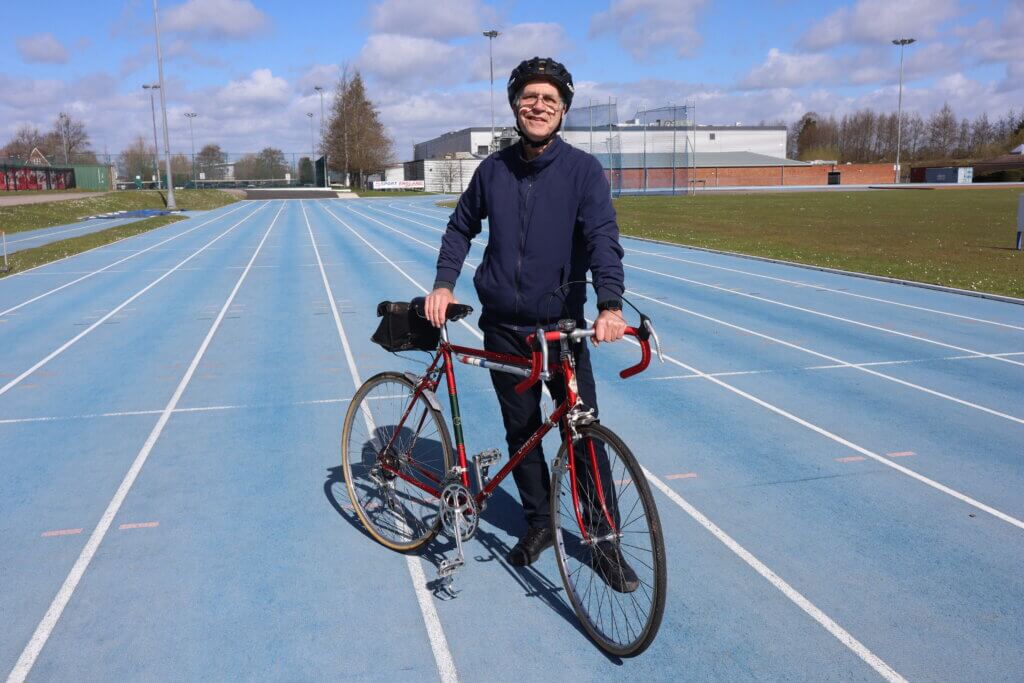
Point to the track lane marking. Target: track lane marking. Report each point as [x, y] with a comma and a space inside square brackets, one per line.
[852, 643]
[811, 311]
[435, 631]
[95, 272]
[61, 532]
[839, 361]
[849, 444]
[841, 634]
[14, 382]
[824, 288]
[138, 525]
[45, 628]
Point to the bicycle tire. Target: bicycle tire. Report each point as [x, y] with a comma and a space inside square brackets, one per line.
[394, 511]
[608, 614]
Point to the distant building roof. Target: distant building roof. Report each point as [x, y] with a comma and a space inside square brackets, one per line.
[1017, 150]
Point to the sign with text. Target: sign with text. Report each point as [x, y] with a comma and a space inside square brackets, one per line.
[398, 184]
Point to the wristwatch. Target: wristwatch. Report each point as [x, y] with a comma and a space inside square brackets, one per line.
[609, 305]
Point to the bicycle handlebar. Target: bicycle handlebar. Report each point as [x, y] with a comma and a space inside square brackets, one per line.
[539, 368]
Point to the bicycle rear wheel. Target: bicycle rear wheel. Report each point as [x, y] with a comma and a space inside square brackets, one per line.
[392, 448]
[608, 542]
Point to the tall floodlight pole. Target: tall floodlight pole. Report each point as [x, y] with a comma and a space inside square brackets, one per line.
[902, 42]
[163, 110]
[312, 147]
[63, 135]
[192, 135]
[156, 146]
[491, 35]
[323, 145]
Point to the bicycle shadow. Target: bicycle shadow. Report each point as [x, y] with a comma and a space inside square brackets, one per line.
[503, 517]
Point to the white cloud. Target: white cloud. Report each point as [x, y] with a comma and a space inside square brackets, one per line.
[260, 88]
[879, 21]
[218, 19]
[642, 25]
[516, 43]
[435, 19]
[324, 75]
[397, 58]
[1002, 42]
[782, 70]
[42, 48]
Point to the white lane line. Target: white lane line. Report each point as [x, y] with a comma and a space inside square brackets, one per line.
[45, 628]
[84, 226]
[435, 631]
[841, 634]
[807, 285]
[826, 315]
[109, 246]
[849, 444]
[839, 361]
[14, 382]
[100, 270]
[806, 605]
[199, 409]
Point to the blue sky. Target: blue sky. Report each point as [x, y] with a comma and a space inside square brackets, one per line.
[247, 67]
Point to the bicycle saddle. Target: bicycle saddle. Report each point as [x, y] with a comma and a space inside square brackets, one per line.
[455, 311]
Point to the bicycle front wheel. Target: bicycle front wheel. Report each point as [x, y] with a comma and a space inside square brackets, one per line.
[395, 452]
[608, 541]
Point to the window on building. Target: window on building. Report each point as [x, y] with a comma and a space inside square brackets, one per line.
[481, 149]
[712, 135]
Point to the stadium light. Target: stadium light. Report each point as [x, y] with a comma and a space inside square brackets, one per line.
[323, 145]
[156, 146]
[491, 35]
[191, 133]
[902, 42]
[163, 110]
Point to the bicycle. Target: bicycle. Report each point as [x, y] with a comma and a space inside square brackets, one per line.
[405, 486]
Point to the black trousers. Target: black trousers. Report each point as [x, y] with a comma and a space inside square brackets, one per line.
[522, 416]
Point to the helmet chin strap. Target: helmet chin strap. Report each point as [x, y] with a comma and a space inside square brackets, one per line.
[541, 143]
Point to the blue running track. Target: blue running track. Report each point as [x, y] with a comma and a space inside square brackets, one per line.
[838, 464]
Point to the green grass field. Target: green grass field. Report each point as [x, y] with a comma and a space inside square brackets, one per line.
[31, 216]
[30, 258]
[960, 238]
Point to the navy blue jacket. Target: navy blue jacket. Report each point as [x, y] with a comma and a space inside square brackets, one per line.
[551, 219]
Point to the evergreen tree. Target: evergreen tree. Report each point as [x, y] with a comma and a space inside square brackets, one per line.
[356, 142]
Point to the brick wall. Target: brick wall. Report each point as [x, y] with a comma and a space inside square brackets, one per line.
[752, 176]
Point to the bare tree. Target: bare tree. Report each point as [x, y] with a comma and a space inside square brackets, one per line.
[25, 139]
[942, 132]
[210, 161]
[136, 160]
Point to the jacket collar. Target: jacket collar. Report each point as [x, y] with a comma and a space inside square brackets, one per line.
[545, 159]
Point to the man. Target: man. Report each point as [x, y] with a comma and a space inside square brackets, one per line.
[551, 220]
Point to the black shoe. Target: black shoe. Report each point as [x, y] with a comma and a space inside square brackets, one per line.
[611, 566]
[530, 546]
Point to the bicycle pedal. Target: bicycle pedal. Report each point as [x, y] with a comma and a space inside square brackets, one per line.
[448, 568]
[482, 462]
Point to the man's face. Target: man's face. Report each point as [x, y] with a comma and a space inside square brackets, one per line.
[540, 109]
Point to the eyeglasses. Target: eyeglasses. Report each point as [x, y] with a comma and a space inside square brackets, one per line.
[550, 102]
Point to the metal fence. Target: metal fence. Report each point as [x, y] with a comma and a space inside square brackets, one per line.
[652, 152]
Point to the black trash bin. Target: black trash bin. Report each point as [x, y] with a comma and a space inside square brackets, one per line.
[833, 177]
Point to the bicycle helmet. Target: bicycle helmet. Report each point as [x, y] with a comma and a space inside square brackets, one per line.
[540, 68]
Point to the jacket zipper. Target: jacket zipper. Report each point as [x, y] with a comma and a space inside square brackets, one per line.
[523, 214]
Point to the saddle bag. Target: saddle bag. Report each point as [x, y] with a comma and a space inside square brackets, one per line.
[403, 327]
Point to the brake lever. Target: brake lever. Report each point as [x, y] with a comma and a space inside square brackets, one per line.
[647, 332]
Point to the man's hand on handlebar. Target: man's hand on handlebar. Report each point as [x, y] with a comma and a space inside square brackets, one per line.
[436, 305]
[610, 326]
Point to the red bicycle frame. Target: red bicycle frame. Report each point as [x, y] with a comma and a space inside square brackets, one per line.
[533, 370]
